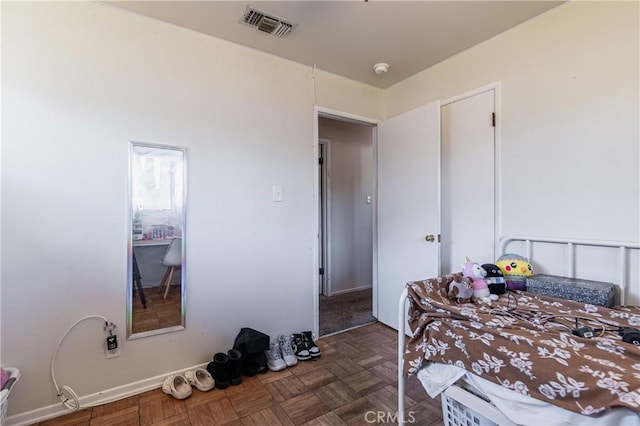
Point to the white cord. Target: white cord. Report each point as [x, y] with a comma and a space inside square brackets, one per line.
[65, 393]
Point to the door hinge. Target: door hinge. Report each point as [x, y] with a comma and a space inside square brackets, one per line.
[321, 271]
[493, 119]
[320, 160]
[439, 238]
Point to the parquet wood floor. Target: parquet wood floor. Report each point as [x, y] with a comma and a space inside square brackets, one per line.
[160, 312]
[353, 381]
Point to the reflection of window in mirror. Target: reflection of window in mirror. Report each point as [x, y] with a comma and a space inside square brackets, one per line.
[156, 278]
[157, 193]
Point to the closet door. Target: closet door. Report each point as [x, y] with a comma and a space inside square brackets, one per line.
[408, 204]
[468, 193]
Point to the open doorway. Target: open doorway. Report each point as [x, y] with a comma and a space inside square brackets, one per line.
[346, 187]
[405, 159]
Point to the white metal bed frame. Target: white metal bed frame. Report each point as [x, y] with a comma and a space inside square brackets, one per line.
[478, 404]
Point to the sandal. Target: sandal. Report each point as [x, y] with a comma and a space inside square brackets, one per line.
[176, 386]
[200, 378]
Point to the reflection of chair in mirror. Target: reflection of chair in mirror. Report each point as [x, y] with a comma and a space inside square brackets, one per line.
[137, 279]
[173, 261]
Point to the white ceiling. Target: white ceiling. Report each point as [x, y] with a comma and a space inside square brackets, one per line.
[348, 37]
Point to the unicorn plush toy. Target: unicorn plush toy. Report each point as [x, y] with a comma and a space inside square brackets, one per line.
[474, 271]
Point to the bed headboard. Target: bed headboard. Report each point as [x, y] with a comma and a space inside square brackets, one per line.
[571, 244]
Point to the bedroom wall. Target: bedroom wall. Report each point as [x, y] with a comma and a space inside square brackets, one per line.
[569, 125]
[82, 79]
[351, 218]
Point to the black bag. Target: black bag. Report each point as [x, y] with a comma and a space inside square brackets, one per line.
[252, 344]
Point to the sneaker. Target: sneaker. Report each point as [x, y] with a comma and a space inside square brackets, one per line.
[300, 347]
[314, 350]
[286, 350]
[274, 359]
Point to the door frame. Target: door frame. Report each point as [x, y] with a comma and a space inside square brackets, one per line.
[319, 111]
[325, 207]
[496, 86]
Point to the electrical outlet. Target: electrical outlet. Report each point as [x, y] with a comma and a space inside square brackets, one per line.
[112, 347]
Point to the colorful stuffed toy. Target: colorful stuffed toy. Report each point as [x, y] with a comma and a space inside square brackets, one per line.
[494, 278]
[460, 291]
[516, 269]
[474, 271]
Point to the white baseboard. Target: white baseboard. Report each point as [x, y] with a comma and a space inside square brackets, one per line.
[98, 398]
[349, 290]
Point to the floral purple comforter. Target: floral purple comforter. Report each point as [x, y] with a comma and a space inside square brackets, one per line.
[524, 342]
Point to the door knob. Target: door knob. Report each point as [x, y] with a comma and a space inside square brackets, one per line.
[431, 238]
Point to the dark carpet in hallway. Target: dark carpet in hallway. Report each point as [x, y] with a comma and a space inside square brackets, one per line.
[344, 311]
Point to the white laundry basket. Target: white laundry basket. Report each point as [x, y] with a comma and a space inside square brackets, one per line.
[461, 407]
[14, 376]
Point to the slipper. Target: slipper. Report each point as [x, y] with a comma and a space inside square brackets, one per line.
[176, 386]
[200, 378]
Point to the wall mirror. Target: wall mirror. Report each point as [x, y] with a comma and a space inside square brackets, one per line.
[156, 249]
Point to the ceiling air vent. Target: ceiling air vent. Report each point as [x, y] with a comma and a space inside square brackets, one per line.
[266, 23]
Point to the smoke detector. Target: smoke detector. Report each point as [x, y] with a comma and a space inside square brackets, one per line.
[266, 23]
[381, 68]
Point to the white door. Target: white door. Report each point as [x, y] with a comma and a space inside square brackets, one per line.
[468, 168]
[408, 204]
